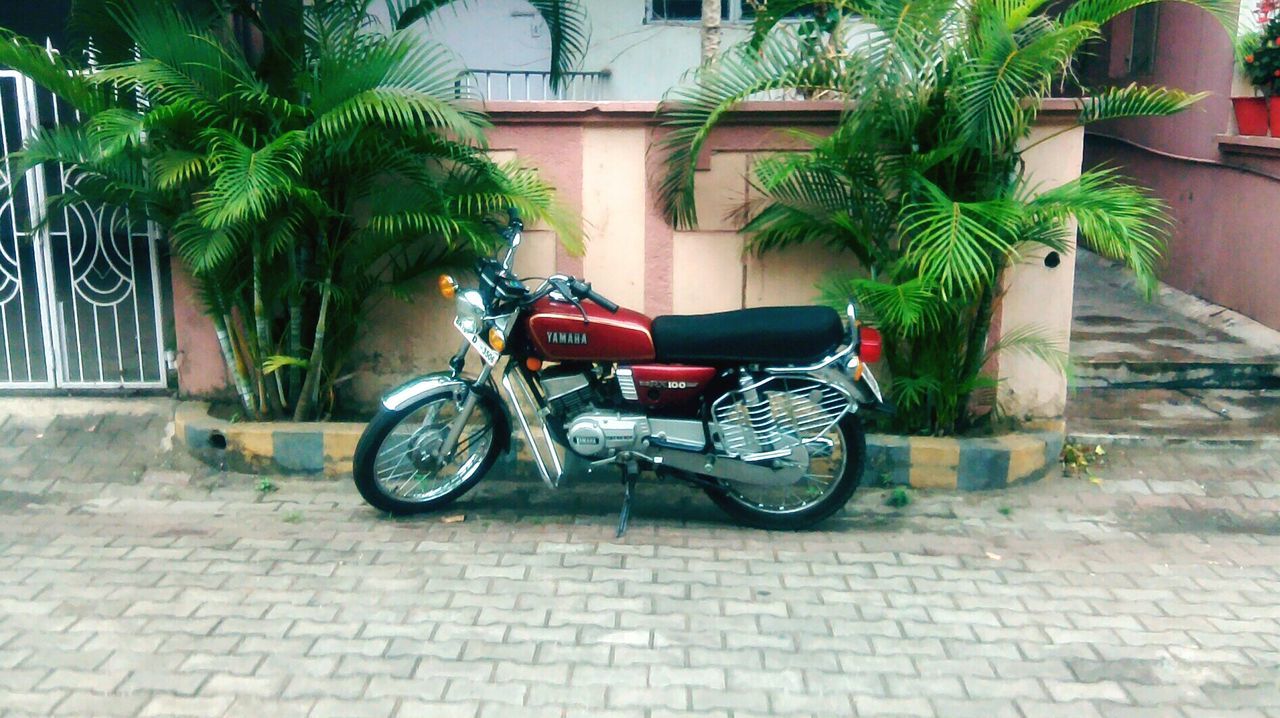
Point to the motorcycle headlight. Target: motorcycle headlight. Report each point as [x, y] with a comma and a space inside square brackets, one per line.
[470, 308]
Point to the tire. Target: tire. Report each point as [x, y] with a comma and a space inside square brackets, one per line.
[854, 443]
[365, 467]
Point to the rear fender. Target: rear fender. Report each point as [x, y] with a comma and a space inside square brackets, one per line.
[422, 387]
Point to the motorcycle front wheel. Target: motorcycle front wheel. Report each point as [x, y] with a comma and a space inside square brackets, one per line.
[836, 462]
[398, 467]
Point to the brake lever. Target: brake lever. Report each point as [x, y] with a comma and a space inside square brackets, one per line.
[566, 290]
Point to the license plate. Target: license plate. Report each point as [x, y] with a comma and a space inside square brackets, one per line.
[487, 353]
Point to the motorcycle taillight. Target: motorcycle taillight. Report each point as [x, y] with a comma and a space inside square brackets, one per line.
[869, 345]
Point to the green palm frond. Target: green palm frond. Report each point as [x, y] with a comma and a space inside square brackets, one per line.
[170, 170]
[567, 27]
[1117, 219]
[960, 246]
[1136, 101]
[812, 199]
[912, 392]
[206, 251]
[999, 89]
[568, 31]
[64, 144]
[690, 112]
[910, 38]
[1102, 11]
[51, 71]
[907, 309]
[516, 185]
[180, 41]
[1032, 341]
[276, 362]
[246, 183]
[116, 130]
[403, 82]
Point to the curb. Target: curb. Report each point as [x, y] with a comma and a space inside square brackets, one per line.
[283, 447]
[925, 462]
[962, 464]
[1147, 441]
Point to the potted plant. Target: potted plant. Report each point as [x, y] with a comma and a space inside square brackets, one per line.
[1261, 63]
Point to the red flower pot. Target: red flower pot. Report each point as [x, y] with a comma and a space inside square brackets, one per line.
[1251, 114]
[1273, 112]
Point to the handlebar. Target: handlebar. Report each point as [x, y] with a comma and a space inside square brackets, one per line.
[583, 289]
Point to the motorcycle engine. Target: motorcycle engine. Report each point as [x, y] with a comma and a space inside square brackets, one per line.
[592, 433]
[599, 434]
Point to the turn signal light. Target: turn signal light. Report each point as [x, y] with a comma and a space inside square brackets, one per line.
[869, 344]
[496, 340]
[448, 287]
[533, 364]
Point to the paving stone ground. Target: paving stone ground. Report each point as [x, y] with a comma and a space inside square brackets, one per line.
[133, 583]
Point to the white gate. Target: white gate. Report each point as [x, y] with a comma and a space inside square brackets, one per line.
[79, 287]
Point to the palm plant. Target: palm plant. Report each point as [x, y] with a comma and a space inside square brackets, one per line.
[304, 161]
[923, 178]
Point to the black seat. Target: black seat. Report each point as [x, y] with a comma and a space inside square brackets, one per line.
[768, 334]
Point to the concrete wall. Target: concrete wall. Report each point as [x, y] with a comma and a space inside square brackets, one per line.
[1225, 246]
[645, 58]
[597, 156]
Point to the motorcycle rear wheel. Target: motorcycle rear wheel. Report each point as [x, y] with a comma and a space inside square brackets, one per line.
[826, 488]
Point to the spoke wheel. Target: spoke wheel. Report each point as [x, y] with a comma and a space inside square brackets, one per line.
[827, 458]
[835, 469]
[399, 466]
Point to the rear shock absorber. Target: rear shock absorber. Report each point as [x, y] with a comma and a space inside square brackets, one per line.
[764, 424]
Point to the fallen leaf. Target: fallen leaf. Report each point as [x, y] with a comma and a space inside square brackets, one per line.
[1095, 481]
[455, 519]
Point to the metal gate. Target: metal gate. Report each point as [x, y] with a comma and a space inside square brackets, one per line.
[79, 289]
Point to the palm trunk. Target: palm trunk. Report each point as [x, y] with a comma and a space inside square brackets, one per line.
[710, 30]
[243, 387]
[311, 387]
[294, 347]
[268, 385]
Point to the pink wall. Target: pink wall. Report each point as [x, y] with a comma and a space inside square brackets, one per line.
[1225, 246]
[201, 371]
[549, 137]
[599, 157]
[1193, 54]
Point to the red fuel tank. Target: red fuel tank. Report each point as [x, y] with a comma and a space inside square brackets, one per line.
[557, 332]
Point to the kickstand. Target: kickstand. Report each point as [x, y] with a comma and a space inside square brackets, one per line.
[630, 472]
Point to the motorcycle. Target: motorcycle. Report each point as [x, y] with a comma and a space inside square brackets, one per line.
[758, 407]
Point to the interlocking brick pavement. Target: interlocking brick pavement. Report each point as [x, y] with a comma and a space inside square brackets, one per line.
[1150, 593]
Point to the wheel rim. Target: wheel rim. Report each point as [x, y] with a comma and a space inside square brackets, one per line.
[408, 467]
[827, 459]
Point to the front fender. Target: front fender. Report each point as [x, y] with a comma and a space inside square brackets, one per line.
[422, 387]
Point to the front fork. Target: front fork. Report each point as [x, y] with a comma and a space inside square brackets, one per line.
[459, 423]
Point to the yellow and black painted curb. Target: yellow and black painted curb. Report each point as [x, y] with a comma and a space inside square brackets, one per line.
[957, 464]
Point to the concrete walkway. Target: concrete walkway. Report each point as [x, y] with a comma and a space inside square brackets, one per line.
[1173, 369]
[134, 583]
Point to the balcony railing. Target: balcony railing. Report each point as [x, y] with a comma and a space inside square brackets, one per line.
[522, 85]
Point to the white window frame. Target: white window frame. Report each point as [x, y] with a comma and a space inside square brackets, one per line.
[735, 15]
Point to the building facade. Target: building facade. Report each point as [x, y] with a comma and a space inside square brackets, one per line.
[1223, 188]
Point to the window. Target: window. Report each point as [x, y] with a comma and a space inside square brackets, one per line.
[1142, 49]
[684, 9]
[691, 10]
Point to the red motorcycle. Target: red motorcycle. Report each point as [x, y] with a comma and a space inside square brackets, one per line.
[758, 407]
